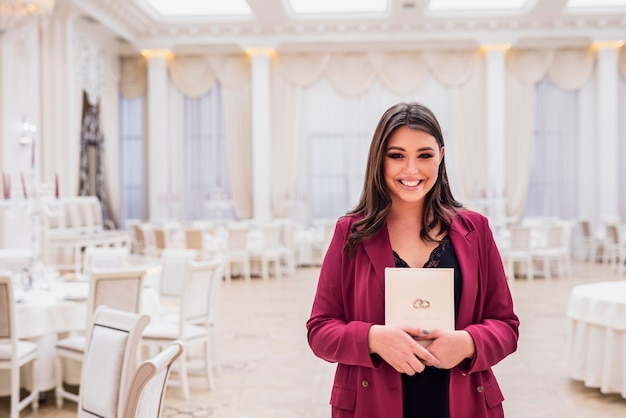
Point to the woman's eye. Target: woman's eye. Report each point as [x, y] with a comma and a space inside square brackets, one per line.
[425, 156]
[395, 156]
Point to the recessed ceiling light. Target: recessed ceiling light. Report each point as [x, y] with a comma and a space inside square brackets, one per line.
[177, 8]
[337, 6]
[458, 5]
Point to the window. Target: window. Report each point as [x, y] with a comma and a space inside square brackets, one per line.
[132, 159]
[554, 156]
[336, 172]
[207, 192]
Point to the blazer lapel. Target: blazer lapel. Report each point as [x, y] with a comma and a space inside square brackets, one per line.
[465, 245]
[378, 250]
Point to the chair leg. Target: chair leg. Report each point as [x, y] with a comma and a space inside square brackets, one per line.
[208, 357]
[58, 391]
[183, 377]
[15, 392]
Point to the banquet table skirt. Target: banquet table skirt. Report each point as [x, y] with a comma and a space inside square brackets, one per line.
[597, 357]
[597, 336]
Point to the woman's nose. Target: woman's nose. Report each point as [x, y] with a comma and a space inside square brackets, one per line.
[411, 166]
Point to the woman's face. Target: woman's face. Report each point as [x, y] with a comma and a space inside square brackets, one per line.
[411, 165]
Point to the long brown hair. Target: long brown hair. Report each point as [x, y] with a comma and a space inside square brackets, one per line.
[375, 201]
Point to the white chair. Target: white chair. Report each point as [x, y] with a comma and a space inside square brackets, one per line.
[121, 290]
[104, 258]
[15, 353]
[615, 245]
[174, 264]
[586, 241]
[146, 392]
[519, 250]
[135, 244]
[109, 362]
[194, 240]
[267, 250]
[556, 250]
[194, 324]
[237, 252]
[287, 248]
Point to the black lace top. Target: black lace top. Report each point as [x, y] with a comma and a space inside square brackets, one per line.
[426, 394]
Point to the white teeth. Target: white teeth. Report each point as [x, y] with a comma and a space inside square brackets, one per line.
[409, 183]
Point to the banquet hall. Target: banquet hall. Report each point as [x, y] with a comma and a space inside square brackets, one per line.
[165, 140]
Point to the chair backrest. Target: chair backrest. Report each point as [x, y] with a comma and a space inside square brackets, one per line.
[271, 236]
[555, 236]
[161, 238]
[174, 265]
[585, 227]
[613, 232]
[199, 292]
[109, 362]
[104, 258]
[146, 390]
[520, 237]
[237, 237]
[7, 308]
[194, 238]
[120, 289]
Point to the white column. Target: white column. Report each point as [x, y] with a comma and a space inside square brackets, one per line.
[261, 143]
[607, 103]
[156, 139]
[495, 114]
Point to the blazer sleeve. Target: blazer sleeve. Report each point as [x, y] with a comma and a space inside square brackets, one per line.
[333, 334]
[495, 326]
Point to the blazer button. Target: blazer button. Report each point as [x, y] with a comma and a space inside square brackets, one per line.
[365, 383]
[479, 389]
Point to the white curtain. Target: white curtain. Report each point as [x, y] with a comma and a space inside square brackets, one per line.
[554, 173]
[336, 132]
[569, 69]
[622, 143]
[350, 92]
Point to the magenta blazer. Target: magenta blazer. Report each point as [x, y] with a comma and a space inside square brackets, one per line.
[350, 298]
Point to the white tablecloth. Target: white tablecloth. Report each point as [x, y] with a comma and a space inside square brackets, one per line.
[42, 314]
[597, 336]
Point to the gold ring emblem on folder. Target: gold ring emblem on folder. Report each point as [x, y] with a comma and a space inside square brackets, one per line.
[421, 304]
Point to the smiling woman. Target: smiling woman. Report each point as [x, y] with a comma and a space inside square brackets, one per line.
[407, 217]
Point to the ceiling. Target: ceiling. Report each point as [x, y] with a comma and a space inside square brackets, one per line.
[405, 25]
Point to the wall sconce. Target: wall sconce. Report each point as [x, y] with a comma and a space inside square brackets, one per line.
[27, 133]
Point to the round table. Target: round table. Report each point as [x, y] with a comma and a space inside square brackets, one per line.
[597, 336]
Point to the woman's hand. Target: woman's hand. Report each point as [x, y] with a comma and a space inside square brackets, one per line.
[397, 347]
[450, 347]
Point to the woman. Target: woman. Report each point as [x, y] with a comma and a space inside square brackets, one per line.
[407, 217]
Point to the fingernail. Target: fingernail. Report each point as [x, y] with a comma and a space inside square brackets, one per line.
[425, 332]
[439, 366]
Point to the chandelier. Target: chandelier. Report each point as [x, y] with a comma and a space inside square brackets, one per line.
[19, 13]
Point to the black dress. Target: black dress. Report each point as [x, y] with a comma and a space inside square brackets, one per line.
[425, 395]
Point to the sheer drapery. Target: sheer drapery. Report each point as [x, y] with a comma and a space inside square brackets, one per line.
[205, 158]
[622, 142]
[233, 73]
[381, 80]
[335, 136]
[401, 74]
[192, 75]
[554, 173]
[568, 68]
